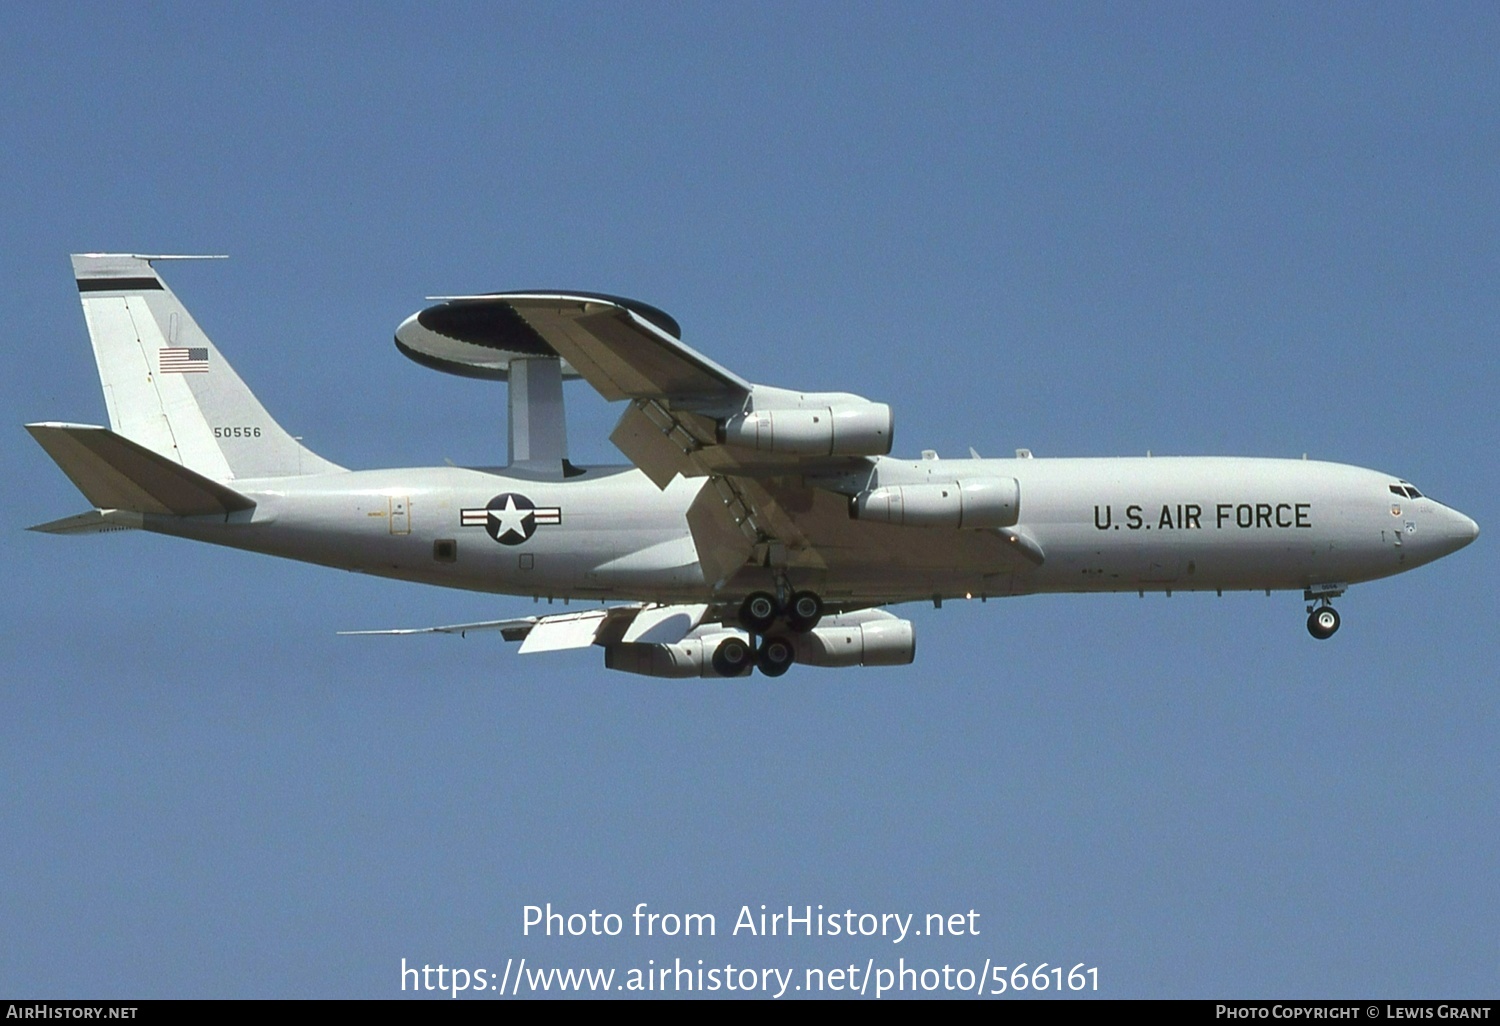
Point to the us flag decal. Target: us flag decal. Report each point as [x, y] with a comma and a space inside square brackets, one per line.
[182, 360]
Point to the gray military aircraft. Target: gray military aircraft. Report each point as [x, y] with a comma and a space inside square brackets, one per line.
[758, 526]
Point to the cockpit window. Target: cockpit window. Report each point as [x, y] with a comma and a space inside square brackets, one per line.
[1413, 492]
[1406, 490]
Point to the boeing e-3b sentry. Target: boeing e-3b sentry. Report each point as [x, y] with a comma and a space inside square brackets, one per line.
[757, 526]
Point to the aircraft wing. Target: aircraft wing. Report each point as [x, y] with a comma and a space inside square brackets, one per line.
[511, 630]
[639, 622]
[679, 399]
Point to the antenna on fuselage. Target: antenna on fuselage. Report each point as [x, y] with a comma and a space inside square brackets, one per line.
[484, 337]
[538, 426]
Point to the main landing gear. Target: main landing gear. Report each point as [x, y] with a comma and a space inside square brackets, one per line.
[776, 655]
[776, 652]
[732, 657]
[760, 611]
[773, 656]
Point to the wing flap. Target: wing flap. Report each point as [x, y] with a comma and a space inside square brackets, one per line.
[774, 503]
[724, 538]
[569, 630]
[658, 451]
[644, 623]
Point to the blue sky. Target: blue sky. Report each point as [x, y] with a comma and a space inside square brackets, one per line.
[1084, 229]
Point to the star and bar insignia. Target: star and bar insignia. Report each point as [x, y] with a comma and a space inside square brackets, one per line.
[511, 518]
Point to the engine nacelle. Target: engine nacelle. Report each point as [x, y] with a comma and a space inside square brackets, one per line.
[973, 503]
[690, 657]
[870, 637]
[687, 657]
[863, 429]
[684, 659]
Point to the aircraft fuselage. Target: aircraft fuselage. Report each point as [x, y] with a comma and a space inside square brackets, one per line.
[1099, 525]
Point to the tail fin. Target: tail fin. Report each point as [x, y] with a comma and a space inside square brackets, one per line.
[165, 384]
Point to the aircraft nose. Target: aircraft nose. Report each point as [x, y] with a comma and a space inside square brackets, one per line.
[1470, 526]
[1457, 530]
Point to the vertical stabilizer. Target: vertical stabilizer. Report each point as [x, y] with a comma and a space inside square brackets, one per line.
[167, 387]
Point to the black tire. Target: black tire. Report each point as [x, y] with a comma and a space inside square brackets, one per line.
[758, 612]
[776, 655]
[732, 658]
[805, 611]
[1323, 623]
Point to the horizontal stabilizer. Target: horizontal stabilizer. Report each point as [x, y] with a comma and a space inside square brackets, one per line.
[115, 473]
[95, 521]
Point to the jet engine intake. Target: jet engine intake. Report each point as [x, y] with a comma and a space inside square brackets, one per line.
[973, 503]
[865, 429]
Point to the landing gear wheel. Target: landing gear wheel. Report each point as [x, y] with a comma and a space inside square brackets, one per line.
[776, 655]
[732, 657]
[1321, 623]
[758, 612]
[805, 611]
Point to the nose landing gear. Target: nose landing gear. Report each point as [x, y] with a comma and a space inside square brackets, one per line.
[1323, 621]
[1322, 618]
